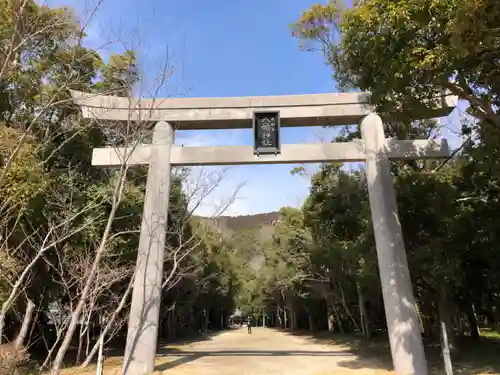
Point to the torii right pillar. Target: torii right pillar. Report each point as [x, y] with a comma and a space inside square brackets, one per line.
[405, 338]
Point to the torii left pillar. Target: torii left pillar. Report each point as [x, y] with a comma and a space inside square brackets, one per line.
[142, 334]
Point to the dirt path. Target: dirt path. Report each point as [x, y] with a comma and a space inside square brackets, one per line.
[265, 352]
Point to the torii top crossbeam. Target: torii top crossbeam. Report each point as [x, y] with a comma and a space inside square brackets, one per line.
[238, 112]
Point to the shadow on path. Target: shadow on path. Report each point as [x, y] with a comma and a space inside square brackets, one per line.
[190, 356]
[374, 353]
[473, 358]
[164, 347]
[117, 349]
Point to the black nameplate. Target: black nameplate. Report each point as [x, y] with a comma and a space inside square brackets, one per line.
[266, 133]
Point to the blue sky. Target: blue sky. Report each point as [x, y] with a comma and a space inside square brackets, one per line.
[221, 48]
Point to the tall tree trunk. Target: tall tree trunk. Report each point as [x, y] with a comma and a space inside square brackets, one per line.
[175, 325]
[295, 321]
[60, 332]
[293, 318]
[471, 318]
[346, 308]
[75, 314]
[461, 325]
[87, 341]
[338, 318]
[191, 322]
[363, 316]
[2, 325]
[445, 349]
[109, 323]
[84, 329]
[330, 313]
[312, 325]
[28, 317]
[426, 315]
[169, 325]
[278, 314]
[445, 316]
[205, 320]
[100, 356]
[81, 334]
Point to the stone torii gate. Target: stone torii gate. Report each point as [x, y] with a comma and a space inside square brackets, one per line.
[265, 115]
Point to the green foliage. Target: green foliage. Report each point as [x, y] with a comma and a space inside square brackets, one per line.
[406, 52]
[24, 180]
[321, 263]
[119, 75]
[50, 192]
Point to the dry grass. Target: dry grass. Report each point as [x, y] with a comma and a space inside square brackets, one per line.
[113, 365]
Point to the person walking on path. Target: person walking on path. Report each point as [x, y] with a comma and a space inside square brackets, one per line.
[249, 326]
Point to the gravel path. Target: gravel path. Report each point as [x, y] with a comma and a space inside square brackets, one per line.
[264, 352]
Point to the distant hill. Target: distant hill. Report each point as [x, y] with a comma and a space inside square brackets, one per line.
[231, 224]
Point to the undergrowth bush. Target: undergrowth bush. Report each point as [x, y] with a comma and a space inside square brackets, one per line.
[13, 360]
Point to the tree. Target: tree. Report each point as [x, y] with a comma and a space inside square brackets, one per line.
[407, 52]
[59, 212]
